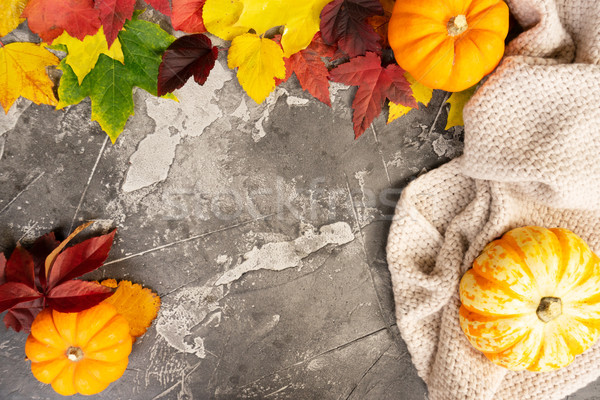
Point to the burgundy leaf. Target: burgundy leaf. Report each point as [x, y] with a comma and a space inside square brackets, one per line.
[80, 259]
[19, 267]
[13, 293]
[345, 22]
[75, 296]
[42, 247]
[113, 14]
[2, 268]
[375, 84]
[21, 316]
[186, 56]
[162, 6]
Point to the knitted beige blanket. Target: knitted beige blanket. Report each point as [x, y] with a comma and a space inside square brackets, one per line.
[532, 157]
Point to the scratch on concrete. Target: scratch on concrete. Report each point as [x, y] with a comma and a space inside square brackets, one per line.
[21, 192]
[278, 256]
[174, 121]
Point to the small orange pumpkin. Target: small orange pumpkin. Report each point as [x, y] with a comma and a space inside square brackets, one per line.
[448, 44]
[532, 299]
[79, 352]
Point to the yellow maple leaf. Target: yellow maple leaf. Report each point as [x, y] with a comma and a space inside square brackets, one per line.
[300, 19]
[10, 15]
[83, 54]
[259, 62]
[23, 73]
[220, 17]
[457, 103]
[137, 304]
[421, 93]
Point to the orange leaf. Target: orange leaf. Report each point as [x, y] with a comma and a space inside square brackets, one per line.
[380, 22]
[138, 305]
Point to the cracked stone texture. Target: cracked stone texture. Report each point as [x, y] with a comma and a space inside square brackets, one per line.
[262, 227]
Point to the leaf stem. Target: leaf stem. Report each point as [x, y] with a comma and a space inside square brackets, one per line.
[446, 97]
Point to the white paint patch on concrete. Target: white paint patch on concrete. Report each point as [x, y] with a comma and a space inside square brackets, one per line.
[366, 212]
[296, 101]
[242, 111]
[196, 110]
[278, 256]
[270, 103]
[186, 311]
[9, 120]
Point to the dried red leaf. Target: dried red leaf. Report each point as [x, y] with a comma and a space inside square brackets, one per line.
[312, 73]
[21, 316]
[375, 84]
[191, 55]
[113, 14]
[161, 6]
[187, 16]
[321, 47]
[13, 293]
[345, 22]
[42, 247]
[75, 296]
[80, 259]
[49, 18]
[19, 267]
[2, 268]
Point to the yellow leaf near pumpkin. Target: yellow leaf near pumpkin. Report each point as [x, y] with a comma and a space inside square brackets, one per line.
[137, 304]
[220, 18]
[421, 93]
[23, 73]
[83, 54]
[259, 62]
[10, 15]
[457, 104]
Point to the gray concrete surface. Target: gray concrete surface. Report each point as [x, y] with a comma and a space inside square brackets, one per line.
[262, 227]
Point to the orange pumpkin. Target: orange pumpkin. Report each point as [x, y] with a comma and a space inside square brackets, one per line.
[79, 352]
[448, 44]
[532, 299]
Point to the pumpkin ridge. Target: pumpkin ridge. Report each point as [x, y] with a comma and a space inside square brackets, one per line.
[503, 285]
[504, 348]
[511, 246]
[433, 63]
[109, 322]
[589, 272]
[51, 318]
[489, 314]
[565, 257]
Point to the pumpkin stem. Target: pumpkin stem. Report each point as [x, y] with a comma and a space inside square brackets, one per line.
[457, 25]
[74, 353]
[549, 308]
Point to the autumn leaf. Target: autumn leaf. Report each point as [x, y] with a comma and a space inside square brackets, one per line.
[259, 62]
[10, 15]
[49, 18]
[311, 71]
[161, 6]
[220, 17]
[457, 103]
[113, 14]
[28, 286]
[375, 84]
[345, 22]
[380, 23]
[137, 304]
[421, 93]
[191, 55]
[110, 84]
[83, 54]
[23, 73]
[187, 16]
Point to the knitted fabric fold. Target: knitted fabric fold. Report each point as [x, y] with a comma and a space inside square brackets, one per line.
[531, 157]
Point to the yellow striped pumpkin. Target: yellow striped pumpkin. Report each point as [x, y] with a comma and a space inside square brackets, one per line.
[532, 299]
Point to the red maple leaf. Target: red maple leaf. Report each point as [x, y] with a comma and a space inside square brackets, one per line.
[162, 6]
[41, 277]
[345, 22]
[311, 71]
[187, 16]
[113, 14]
[49, 18]
[189, 55]
[375, 84]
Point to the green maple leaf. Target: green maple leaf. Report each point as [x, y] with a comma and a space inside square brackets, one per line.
[110, 84]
